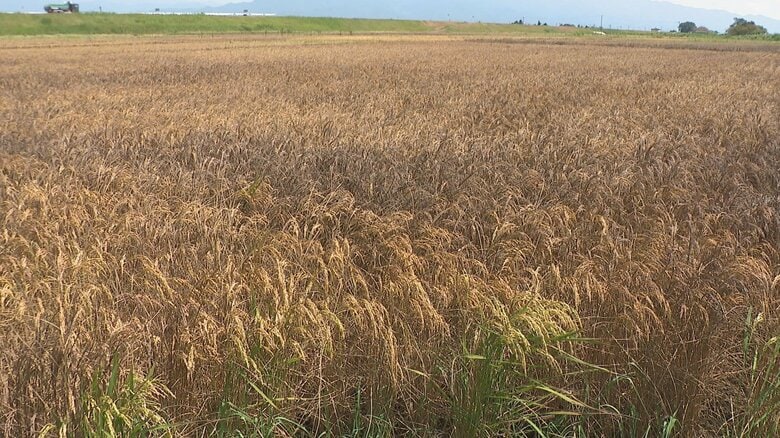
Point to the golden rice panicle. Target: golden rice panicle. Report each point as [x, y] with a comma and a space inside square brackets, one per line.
[206, 232]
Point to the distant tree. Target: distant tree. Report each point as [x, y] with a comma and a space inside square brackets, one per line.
[518, 22]
[702, 29]
[539, 23]
[687, 27]
[744, 27]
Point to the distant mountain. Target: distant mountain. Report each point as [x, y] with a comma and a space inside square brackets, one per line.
[634, 14]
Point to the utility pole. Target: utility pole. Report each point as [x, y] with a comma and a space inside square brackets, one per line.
[601, 26]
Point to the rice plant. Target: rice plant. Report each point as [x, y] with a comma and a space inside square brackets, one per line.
[386, 235]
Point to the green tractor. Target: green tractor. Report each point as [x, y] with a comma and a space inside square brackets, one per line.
[61, 8]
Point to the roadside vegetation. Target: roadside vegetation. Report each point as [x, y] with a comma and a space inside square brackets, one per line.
[422, 235]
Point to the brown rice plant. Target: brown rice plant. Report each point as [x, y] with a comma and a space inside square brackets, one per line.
[388, 235]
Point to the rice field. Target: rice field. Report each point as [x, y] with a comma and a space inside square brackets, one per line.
[389, 235]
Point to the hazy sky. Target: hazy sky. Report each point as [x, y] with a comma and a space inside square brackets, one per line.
[770, 8]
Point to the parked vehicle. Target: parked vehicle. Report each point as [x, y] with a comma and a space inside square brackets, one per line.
[59, 8]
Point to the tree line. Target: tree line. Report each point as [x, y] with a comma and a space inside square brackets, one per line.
[740, 26]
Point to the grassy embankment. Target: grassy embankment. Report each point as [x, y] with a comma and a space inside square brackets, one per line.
[140, 24]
